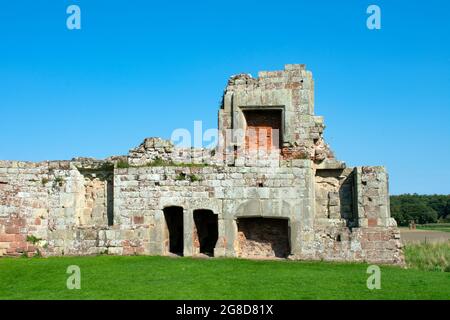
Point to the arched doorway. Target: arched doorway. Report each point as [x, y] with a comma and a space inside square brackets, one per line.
[175, 229]
[207, 227]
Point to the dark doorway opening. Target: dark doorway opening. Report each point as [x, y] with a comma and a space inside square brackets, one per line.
[175, 227]
[207, 225]
[263, 237]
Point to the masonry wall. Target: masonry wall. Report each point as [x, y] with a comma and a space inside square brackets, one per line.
[290, 92]
[296, 201]
[51, 202]
[230, 192]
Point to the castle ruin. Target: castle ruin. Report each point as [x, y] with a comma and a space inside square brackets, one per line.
[272, 188]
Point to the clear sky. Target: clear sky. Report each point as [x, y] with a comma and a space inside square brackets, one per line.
[138, 69]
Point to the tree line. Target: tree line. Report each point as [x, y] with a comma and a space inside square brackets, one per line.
[420, 208]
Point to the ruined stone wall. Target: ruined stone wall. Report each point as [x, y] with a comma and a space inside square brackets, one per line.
[375, 245]
[67, 209]
[291, 92]
[372, 196]
[156, 149]
[24, 206]
[143, 193]
[55, 204]
[334, 197]
[297, 201]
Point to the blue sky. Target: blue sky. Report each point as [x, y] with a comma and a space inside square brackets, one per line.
[138, 69]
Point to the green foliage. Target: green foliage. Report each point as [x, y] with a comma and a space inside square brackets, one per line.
[32, 239]
[122, 164]
[444, 227]
[106, 166]
[211, 279]
[59, 181]
[192, 165]
[180, 177]
[158, 162]
[194, 178]
[44, 181]
[37, 254]
[428, 256]
[191, 177]
[420, 208]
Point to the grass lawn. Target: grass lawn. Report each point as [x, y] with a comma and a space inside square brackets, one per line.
[444, 227]
[108, 277]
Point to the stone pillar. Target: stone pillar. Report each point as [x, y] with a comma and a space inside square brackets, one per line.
[231, 237]
[302, 217]
[296, 240]
[221, 246]
[372, 191]
[118, 198]
[358, 199]
[188, 225]
[308, 212]
[158, 241]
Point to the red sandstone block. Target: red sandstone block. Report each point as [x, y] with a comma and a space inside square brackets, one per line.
[11, 251]
[293, 85]
[12, 230]
[375, 236]
[7, 237]
[372, 222]
[19, 238]
[18, 222]
[138, 220]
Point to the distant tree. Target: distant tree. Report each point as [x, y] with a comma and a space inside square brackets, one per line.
[439, 204]
[420, 208]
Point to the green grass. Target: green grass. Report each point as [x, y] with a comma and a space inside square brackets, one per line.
[123, 164]
[428, 256]
[444, 227]
[107, 277]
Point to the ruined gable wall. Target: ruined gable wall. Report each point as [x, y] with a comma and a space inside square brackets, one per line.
[290, 90]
